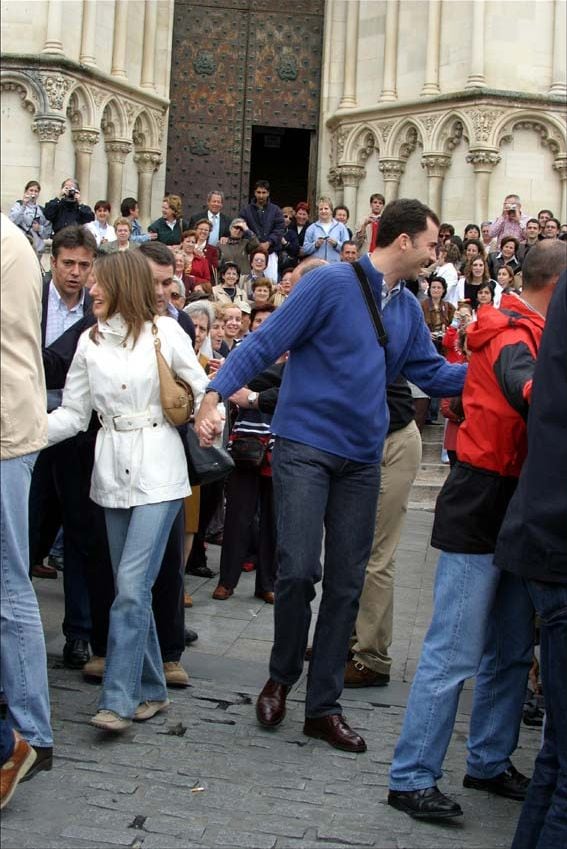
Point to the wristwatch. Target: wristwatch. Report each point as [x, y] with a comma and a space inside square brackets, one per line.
[252, 398]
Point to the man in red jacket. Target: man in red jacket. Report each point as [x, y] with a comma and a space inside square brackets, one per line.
[482, 622]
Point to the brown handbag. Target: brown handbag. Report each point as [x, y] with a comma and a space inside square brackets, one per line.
[175, 394]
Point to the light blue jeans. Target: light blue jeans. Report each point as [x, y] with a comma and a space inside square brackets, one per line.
[23, 658]
[482, 626]
[137, 537]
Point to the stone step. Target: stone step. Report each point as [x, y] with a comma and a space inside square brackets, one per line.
[431, 452]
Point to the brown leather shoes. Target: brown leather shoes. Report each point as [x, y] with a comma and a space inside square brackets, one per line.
[270, 707]
[359, 675]
[335, 731]
[222, 593]
[268, 597]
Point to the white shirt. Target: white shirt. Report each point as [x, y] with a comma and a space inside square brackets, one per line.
[100, 232]
[214, 218]
[132, 467]
[59, 316]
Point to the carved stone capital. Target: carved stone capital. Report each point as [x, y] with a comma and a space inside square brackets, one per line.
[85, 139]
[483, 159]
[334, 178]
[560, 165]
[351, 175]
[117, 150]
[435, 164]
[483, 121]
[147, 161]
[56, 87]
[48, 128]
[392, 169]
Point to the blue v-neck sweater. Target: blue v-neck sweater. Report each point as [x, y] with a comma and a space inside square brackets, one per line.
[333, 394]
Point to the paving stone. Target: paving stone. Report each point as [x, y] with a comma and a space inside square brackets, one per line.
[105, 836]
[233, 838]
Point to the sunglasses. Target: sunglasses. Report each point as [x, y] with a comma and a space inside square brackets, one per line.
[175, 296]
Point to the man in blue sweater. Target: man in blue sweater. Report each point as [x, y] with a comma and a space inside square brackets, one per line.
[331, 421]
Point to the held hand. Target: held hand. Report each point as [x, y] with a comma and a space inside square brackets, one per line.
[319, 242]
[153, 236]
[208, 422]
[332, 242]
[213, 365]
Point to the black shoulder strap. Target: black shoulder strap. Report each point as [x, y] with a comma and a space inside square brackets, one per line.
[371, 304]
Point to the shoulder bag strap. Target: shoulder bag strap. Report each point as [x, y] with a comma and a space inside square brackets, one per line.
[371, 304]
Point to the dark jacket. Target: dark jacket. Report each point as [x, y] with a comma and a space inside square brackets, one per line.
[533, 539]
[266, 222]
[164, 232]
[45, 304]
[224, 222]
[64, 213]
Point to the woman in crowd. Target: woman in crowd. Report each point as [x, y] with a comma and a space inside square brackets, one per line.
[232, 315]
[196, 269]
[324, 238]
[103, 232]
[301, 223]
[448, 264]
[438, 312]
[475, 274]
[218, 343]
[204, 250]
[28, 215]
[283, 288]
[507, 255]
[262, 292]
[258, 265]
[471, 232]
[140, 473]
[342, 214]
[485, 294]
[170, 226]
[290, 243]
[239, 246]
[67, 209]
[505, 283]
[472, 249]
[123, 230]
[177, 293]
[228, 291]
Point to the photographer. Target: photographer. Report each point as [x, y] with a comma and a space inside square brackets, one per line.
[67, 208]
[28, 215]
[512, 222]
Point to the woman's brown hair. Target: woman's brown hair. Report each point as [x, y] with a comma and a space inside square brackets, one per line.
[468, 269]
[128, 283]
[175, 205]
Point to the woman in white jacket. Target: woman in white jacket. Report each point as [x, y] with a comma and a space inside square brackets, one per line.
[140, 472]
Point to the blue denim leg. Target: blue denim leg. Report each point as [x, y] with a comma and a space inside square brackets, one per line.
[23, 658]
[7, 740]
[501, 681]
[134, 672]
[543, 820]
[315, 490]
[464, 592]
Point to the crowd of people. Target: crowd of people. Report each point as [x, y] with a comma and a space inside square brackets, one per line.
[315, 352]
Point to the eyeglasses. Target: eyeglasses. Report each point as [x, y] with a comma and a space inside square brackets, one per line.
[175, 296]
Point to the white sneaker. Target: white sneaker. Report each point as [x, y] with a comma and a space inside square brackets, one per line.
[110, 721]
[146, 710]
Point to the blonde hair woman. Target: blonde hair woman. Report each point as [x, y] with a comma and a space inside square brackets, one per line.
[170, 226]
[140, 472]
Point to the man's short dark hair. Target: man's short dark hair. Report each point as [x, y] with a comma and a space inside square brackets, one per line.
[158, 253]
[406, 215]
[262, 184]
[348, 242]
[255, 310]
[549, 212]
[341, 206]
[544, 262]
[447, 227]
[73, 237]
[127, 205]
[555, 221]
[377, 196]
[532, 221]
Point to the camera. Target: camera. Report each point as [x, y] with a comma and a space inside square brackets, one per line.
[71, 192]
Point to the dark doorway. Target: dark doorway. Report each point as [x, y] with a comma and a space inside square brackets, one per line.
[282, 156]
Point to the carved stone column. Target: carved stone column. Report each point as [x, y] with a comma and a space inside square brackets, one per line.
[48, 129]
[351, 48]
[54, 30]
[389, 83]
[147, 163]
[88, 34]
[476, 74]
[431, 82]
[560, 165]
[116, 152]
[392, 170]
[351, 175]
[483, 161]
[118, 68]
[147, 79]
[334, 179]
[84, 140]
[559, 67]
[436, 165]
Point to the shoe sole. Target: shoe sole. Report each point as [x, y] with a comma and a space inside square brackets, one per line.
[515, 797]
[43, 765]
[93, 676]
[342, 748]
[161, 709]
[112, 728]
[417, 815]
[21, 775]
[74, 664]
[272, 724]
[179, 684]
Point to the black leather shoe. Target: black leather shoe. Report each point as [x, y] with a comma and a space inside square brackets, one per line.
[75, 654]
[43, 761]
[424, 804]
[511, 784]
[335, 731]
[201, 571]
[270, 707]
[190, 636]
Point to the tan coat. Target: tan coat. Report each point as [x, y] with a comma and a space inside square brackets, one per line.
[23, 406]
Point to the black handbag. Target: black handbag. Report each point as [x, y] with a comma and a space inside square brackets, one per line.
[204, 465]
[248, 452]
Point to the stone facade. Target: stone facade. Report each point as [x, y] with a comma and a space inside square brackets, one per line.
[456, 103]
[85, 93]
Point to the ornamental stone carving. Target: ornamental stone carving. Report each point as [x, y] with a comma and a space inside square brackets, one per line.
[560, 165]
[85, 139]
[28, 101]
[392, 169]
[56, 87]
[48, 128]
[483, 159]
[368, 145]
[287, 68]
[483, 122]
[435, 164]
[386, 129]
[429, 122]
[334, 178]
[147, 161]
[351, 175]
[117, 150]
[342, 135]
[204, 63]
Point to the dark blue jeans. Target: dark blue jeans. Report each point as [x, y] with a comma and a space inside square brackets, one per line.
[7, 740]
[316, 491]
[543, 821]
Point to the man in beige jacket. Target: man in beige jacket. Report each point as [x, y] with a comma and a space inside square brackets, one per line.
[23, 433]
